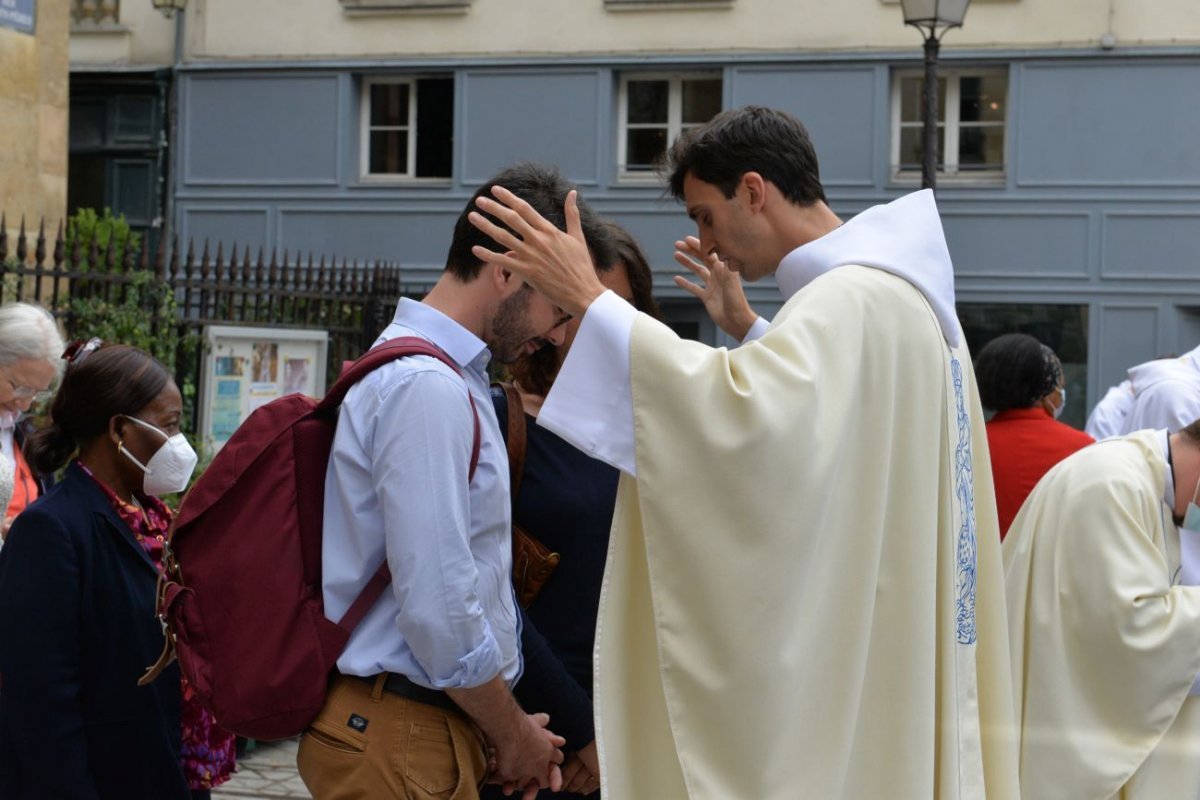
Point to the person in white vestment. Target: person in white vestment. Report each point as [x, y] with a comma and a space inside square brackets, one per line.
[803, 596]
[1108, 417]
[1102, 567]
[1166, 393]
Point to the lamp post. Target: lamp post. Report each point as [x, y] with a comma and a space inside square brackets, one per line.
[169, 7]
[933, 18]
[167, 176]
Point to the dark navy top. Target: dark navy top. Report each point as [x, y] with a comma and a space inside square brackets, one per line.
[566, 502]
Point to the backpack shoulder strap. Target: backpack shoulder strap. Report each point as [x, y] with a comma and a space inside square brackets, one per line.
[373, 359]
[385, 353]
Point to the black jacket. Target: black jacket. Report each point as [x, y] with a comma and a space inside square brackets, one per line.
[77, 630]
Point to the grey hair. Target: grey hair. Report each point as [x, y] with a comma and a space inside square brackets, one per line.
[29, 332]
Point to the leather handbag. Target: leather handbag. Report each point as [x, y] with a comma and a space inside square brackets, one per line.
[533, 562]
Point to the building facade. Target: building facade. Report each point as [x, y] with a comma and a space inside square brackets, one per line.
[1070, 137]
[33, 110]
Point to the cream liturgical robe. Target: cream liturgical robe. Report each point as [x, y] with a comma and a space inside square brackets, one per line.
[803, 597]
[1105, 645]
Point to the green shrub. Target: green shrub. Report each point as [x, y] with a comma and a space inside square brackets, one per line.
[85, 226]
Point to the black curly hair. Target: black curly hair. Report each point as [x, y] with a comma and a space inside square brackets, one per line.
[1016, 371]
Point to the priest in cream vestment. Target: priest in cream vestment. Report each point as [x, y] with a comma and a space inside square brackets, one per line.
[1105, 623]
[803, 596]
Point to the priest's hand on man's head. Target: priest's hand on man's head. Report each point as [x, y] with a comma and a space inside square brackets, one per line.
[557, 264]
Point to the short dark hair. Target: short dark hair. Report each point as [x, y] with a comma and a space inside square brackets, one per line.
[772, 143]
[1016, 371]
[1192, 432]
[544, 188]
[114, 379]
[537, 371]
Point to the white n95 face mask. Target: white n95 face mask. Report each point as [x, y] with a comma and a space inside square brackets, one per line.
[171, 466]
[1058, 411]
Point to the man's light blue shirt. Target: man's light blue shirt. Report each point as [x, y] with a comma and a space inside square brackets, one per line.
[397, 476]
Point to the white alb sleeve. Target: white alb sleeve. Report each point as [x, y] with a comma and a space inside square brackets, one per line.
[591, 402]
[756, 330]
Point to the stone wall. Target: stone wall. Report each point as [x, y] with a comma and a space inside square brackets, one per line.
[33, 117]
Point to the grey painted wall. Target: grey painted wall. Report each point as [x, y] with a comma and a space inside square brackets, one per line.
[1100, 204]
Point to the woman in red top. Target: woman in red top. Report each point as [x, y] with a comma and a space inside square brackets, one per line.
[1021, 380]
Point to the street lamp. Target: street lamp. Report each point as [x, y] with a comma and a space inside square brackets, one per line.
[169, 7]
[933, 18]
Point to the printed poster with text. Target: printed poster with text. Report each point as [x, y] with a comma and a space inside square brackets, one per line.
[246, 372]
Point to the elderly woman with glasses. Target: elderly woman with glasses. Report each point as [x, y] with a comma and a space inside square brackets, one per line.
[30, 346]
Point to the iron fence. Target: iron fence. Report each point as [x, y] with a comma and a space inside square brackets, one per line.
[350, 299]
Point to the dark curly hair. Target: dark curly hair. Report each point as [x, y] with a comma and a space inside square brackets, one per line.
[1016, 371]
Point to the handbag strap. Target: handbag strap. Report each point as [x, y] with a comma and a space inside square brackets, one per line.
[515, 438]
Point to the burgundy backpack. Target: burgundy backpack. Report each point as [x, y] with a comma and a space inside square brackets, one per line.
[241, 591]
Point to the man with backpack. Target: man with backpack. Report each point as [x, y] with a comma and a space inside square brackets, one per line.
[418, 477]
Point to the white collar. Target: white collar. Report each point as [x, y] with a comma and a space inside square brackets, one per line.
[903, 237]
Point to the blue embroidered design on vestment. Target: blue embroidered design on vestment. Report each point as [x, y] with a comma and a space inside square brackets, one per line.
[964, 494]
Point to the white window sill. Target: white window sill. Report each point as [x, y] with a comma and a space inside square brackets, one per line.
[401, 180]
[91, 27]
[640, 179]
[660, 5]
[969, 180]
[380, 7]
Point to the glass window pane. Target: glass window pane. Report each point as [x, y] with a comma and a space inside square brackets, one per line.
[435, 127]
[88, 124]
[644, 148]
[912, 99]
[982, 99]
[389, 153]
[389, 104]
[912, 147]
[1062, 328]
[648, 101]
[980, 148]
[133, 190]
[701, 100]
[135, 119]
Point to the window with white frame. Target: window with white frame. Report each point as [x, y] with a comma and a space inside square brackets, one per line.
[655, 109]
[972, 110]
[407, 127]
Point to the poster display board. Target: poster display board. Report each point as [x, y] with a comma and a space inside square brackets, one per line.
[245, 368]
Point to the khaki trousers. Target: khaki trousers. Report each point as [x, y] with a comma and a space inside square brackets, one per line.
[367, 744]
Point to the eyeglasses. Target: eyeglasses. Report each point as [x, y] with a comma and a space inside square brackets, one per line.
[78, 350]
[27, 392]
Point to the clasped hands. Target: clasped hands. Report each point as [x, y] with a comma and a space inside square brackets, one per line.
[578, 773]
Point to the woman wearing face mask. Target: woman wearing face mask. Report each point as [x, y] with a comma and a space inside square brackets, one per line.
[1021, 380]
[77, 588]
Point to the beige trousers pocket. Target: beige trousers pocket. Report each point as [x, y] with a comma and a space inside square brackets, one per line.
[371, 746]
